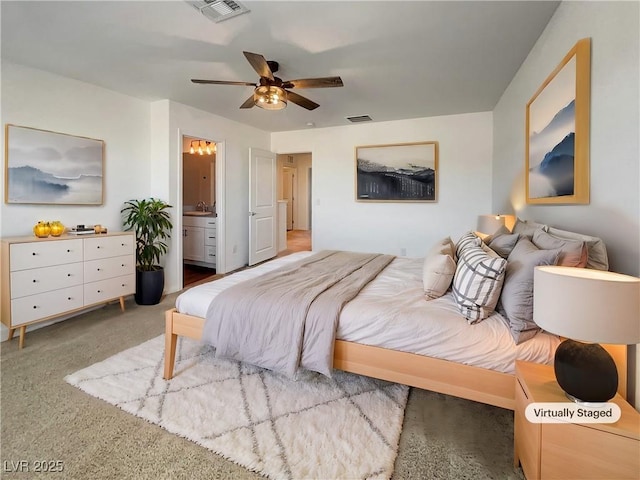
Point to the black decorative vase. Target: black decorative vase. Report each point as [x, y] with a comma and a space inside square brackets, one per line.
[585, 371]
[149, 286]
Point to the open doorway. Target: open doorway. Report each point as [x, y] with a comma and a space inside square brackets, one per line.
[294, 198]
[199, 212]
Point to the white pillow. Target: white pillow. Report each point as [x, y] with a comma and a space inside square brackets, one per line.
[438, 270]
[478, 281]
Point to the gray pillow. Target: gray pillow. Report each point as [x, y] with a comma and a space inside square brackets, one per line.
[527, 228]
[516, 299]
[503, 243]
[573, 253]
[597, 251]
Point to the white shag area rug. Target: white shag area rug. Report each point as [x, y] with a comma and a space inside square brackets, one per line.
[346, 427]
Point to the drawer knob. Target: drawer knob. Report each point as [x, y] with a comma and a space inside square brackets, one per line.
[122, 265]
[98, 269]
[35, 306]
[68, 298]
[35, 281]
[34, 253]
[98, 246]
[68, 251]
[122, 244]
[99, 291]
[68, 274]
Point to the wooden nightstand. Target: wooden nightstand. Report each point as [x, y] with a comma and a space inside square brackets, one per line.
[571, 450]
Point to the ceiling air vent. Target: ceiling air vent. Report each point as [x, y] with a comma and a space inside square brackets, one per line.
[360, 118]
[218, 10]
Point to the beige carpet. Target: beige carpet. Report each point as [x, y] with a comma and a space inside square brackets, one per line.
[45, 418]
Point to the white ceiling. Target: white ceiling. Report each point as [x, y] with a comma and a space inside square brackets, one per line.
[397, 59]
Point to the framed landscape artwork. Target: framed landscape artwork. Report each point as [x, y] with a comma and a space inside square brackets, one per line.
[557, 133]
[44, 167]
[404, 172]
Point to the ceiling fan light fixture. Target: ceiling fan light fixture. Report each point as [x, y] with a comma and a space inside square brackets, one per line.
[270, 97]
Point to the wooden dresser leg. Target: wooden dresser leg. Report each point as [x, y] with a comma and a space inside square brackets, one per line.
[122, 303]
[11, 332]
[170, 343]
[23, 331]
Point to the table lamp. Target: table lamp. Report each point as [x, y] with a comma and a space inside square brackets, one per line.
[489, 224]
[586, 305]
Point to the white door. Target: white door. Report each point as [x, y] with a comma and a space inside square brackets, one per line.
[262, 205]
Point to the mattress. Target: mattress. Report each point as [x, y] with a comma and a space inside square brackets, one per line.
[391, 312]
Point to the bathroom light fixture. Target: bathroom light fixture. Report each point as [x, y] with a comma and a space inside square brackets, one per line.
[270, 97]
[202, 147]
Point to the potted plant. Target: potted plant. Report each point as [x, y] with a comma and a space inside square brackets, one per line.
[151, 222]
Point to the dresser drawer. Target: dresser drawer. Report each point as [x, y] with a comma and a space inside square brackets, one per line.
[210, 236]
[103, 290]
[42, 305]
[44, 254]
[106, 247]
[104, 268]
[39, 280]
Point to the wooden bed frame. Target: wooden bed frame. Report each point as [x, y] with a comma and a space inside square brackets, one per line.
[464, 381]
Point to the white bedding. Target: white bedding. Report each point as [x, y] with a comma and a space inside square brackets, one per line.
[391, 312]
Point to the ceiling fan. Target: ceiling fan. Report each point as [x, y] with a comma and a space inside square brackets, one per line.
[271, 92]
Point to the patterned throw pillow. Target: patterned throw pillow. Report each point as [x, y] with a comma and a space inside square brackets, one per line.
[469, 239]
[478, 281]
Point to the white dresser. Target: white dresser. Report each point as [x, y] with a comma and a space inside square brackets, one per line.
[43, 278]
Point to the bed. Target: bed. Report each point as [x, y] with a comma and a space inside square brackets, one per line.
[382, 333]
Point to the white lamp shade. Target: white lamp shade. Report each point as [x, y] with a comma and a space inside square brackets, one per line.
[489, 224]
[587, 305]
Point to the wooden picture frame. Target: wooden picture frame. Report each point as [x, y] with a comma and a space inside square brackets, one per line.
[401, 172]
[44, 167]
[557, 132]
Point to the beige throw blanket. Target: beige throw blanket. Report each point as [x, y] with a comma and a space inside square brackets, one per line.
[287, 318]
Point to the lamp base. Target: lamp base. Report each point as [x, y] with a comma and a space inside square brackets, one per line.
[585, 371]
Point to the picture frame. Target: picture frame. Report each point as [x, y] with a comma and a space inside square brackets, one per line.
[45, 167]
[557, 132]
[401, 172]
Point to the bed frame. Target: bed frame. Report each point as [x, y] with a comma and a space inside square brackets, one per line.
[442, 376]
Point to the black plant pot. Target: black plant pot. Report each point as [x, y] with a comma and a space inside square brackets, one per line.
[149, 286]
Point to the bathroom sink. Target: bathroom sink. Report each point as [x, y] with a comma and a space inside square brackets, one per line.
[198, 214]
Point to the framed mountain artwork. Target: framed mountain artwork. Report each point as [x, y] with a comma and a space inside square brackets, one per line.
[403, 172]
[44, 167]
[557, 133]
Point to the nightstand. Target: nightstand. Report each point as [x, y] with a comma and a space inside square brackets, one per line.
[571, 450]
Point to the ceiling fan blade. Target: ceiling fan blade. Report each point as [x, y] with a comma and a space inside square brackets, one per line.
[248, 103]
[223, 82]
[259, 64]
[314, 82]
[302, 101]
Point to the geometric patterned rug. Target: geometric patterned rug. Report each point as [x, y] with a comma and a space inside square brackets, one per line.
[347, 426]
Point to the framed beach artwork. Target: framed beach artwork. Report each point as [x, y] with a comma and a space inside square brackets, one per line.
[557, 132]
[44, 167]
[404, 172]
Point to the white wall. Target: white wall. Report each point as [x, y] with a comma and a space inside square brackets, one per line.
[614, 211]
[170, 121]
[464, 183]
[77, 108]
[86, 110]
